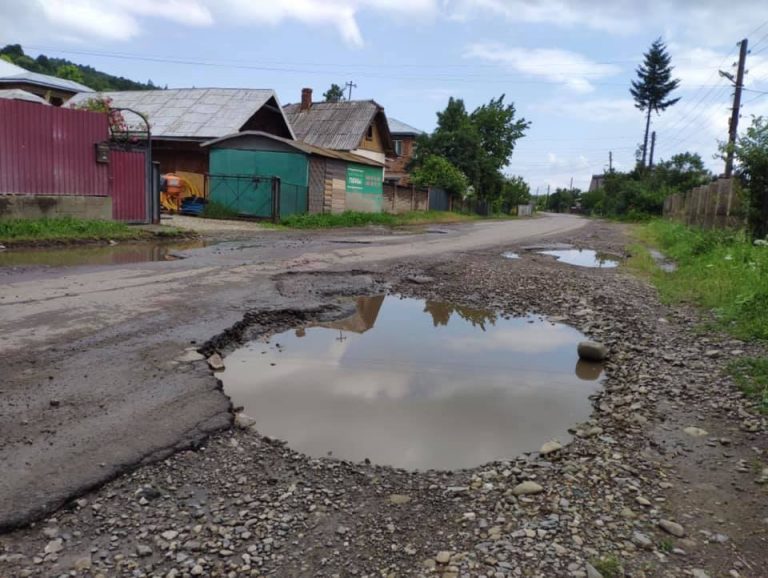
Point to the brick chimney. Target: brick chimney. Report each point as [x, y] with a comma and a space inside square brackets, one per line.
[306, 99]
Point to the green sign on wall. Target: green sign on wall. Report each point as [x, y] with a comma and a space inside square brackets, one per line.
[363, 179]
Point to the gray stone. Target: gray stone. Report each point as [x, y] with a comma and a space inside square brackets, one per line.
[672, 528]
[550, 447]
[142, 550]
[592, 572]
[592, 351]
[54, 546]
[169, 535]
[642, 541]
[696, 432]
[443, 557]
[399, 499]
[82, 563]
[215, 362]
[527, 487]
[699, 573]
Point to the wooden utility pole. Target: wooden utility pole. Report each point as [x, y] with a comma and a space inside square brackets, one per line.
[733, 128]
[546, 200]
[653, 148]
[350, 85]
[610, 161]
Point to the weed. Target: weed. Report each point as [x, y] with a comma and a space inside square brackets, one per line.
[354, 219]
[751, 375]
[609, 566]
[666, 546]
[214, 210]
[64, 228]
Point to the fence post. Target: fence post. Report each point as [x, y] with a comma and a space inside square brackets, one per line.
[275, 199]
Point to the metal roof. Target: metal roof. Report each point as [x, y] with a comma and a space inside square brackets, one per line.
[8, 68]
[192, 112]
[45, 81]
[18, 94]
[300, 146]
[334, 125]
[398, 127]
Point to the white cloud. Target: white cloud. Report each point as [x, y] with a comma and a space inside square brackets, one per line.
[593, 110]
[571, 69]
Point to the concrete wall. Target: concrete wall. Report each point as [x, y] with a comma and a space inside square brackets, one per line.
[403, 199]
[53, 206]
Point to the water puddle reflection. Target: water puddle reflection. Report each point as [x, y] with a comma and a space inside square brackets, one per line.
[583, 258]
[415, 384]
[119, 254]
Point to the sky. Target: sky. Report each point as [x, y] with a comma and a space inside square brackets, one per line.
[566, 65]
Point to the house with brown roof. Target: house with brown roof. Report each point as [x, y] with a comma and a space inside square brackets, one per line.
[356, 126]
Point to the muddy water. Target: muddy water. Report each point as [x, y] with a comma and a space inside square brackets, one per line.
[415, 384]
[120, 254]
[583, 258]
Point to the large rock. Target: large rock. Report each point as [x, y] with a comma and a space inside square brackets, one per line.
[550, 447]
[527, 487]
[672, 528]
[592, 351]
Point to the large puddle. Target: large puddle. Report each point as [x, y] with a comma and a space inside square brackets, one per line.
[119, 254]
[583, 258]
[415, 384]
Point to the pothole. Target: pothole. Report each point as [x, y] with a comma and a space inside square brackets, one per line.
[583, 258]
[415, 384]
[117, 254]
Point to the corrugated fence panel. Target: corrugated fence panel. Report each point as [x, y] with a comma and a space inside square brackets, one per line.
[129, 199]
[46, 150]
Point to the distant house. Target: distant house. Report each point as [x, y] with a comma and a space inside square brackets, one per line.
[597, 182]
[55, 91]
[356, 126]
[245, 167]
[182, 119]
[404, 142]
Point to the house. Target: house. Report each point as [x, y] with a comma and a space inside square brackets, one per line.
[259, 174]
[53, 90]
[597, 182]
[404, 142]
[355, 126]
[182, 119]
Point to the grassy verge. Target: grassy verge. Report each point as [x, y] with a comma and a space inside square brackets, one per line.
[353, 219]
[214, 210]
[720, 271]
[70, 230]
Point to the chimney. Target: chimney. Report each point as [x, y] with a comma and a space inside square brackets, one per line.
[306, 99]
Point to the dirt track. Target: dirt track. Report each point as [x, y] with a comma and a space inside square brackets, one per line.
[247, 505]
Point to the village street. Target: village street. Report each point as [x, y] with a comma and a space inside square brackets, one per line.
[101, 373]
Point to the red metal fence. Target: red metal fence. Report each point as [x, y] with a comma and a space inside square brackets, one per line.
[45, 150]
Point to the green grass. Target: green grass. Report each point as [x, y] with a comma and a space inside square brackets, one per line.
[718, 270]
[19, 231]
[214, 210]
[354, 219]
[751, 375]
[608, 566]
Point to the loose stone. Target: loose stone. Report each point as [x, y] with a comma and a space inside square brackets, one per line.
[592, 351]
[672, 528]
[527, 487]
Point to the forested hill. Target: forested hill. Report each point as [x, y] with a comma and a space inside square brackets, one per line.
[64, 68]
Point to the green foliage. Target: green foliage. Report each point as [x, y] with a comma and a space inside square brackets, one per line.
[718, 270]
[608, 566]
[436, 171]
[61, 229]
[354, 219]
[751, 375]
[214, 210]
[514, 191]
[334, 94]
[62, 68]
[653, 85]
[479, 144]
[752, 153]
[562, 200]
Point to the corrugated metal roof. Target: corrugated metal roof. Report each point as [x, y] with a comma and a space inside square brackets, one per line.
[300, 146]
[191, 112]
[18, 94]
[333, 125]
[399, 127]
[8, 68]
[46, 81]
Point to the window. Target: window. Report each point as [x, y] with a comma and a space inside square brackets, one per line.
[369, 134]
[398, 147]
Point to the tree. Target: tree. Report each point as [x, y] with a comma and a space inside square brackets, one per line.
[752, 153]
[682, 172]
[436, 171]
[516, 191]
[334, 94]
[70, 72]
[479, 144]
[653, 85]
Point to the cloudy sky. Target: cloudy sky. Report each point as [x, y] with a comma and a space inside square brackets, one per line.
[565, 64]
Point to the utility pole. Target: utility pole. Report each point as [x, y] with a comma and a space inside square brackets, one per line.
[546, 200]
[610, 161]
[653, 148]
[571, 187]
[350, 85]
[733, 128]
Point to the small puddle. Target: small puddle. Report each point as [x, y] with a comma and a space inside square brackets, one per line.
[510, 255]
[120, 254]
[666, 265]
[415, 384]
[583, 258]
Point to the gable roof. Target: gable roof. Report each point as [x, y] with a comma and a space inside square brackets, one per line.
[338, 125]
[299, 146]
[194, 112]
[399, 127]
[45, 81]
[18, 94]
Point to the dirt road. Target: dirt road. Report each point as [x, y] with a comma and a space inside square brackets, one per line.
[98, 362]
